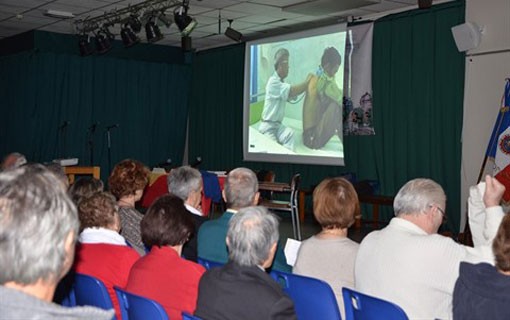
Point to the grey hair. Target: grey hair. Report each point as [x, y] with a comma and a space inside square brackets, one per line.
[241, 186]
[36, 216]
[181, 181]
[251, 233]
[417, 195]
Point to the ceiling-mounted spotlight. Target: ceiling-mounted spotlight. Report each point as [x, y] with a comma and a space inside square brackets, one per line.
[185, 23]
[129, 38]
[233, 34]
[135, 23]
[164, 19]
[152, 31]
[84, 45]
[104, 40]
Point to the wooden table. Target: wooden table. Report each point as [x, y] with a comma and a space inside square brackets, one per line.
[375, 201]
[72, 171]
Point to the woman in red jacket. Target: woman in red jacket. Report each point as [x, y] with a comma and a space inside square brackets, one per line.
[162, 275]
[102, 252]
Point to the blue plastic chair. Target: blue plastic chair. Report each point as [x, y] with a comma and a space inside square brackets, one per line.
[187, 316]
[89, 291]
[135, 307]
[313, 298]
[359, 306]
[208, 264]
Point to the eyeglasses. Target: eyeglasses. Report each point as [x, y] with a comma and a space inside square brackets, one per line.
[440, 210]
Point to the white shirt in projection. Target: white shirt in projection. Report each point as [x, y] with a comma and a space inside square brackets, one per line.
[277, 93]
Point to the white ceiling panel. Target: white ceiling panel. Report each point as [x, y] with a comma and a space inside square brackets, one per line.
[216, 4]
[278, 3]
[225, 14]
[259, 19]
[253, 8]
[253, 18]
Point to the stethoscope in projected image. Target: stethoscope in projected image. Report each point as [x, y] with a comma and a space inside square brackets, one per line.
[296, 100]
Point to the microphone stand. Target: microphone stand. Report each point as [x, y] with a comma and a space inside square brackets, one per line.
[92, 130]
[109, 144]
[63, 130]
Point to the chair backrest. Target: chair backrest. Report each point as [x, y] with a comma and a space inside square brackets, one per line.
[294, 181]
[187, 316]
[208, 264]
[135, 307]
[359, 306]
[313, 298]
[89, 291]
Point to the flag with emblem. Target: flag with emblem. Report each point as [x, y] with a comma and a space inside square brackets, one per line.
[499, 146]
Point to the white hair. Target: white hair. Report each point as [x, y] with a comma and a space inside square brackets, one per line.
[36, 216]
[241, 186]
[417, 195]
[181, 181]
[251, 233]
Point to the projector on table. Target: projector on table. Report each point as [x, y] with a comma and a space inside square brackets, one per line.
[66, 162]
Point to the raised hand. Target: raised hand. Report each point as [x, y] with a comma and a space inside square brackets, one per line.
[494, 191]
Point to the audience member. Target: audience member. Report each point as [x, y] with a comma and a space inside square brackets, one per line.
[127, 182]
[242, 289]
[330, 255]
[102, 252]
[240, 191]
[482, 291]
[409, 264]
[84, 188]
[162, 275]
[13, 160]
[186, 183]
[38, 230]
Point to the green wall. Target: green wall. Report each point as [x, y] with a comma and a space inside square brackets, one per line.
[145, 90]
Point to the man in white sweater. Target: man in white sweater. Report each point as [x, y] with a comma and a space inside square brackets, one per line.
[409, 264]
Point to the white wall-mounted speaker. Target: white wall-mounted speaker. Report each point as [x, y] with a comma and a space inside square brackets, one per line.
[467, 36]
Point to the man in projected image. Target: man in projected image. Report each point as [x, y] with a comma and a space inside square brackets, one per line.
[277, 94]
[322, 113]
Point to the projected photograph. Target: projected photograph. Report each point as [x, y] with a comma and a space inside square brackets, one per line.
[296, 96]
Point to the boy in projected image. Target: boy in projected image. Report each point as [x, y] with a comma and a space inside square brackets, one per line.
[322, 114]
[277, 94]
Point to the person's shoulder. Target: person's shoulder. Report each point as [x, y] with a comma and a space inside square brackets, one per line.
[193, 267]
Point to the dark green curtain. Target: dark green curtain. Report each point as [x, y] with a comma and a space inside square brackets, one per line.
[418, 77]
[41, 90]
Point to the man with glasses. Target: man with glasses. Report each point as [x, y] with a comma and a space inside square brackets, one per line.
[409, 264]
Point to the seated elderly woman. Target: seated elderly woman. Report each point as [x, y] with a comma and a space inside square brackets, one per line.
[162, 275]
[482, 291]
[127, 182]
[84, 188]
[330, 255]
[102, 252]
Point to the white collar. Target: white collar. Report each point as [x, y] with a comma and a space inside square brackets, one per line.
[407, 225]
[101, 235]
[193, 210]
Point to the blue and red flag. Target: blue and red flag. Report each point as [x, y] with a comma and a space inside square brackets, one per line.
[499, 145]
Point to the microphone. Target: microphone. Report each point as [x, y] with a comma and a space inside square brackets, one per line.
[112, 126]
[166, 163]
[94, 126]
[197, 162]
[65, 124]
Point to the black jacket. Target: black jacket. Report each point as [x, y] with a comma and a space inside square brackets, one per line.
[236, 292]
[189, 250]
[481, 292]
